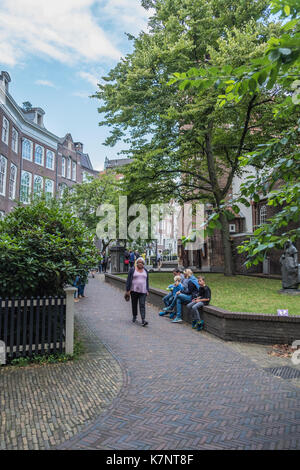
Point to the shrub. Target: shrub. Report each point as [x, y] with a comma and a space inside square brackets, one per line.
[42, 248]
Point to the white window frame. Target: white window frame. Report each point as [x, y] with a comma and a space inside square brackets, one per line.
[62, 188]
[15, 142]
[63, 167]
[12, 182]
[85, 176]
[28, 193]
[5, 130]
[47, 181]
[74, 170]
[69, 168]
[3, 174]
[25, 146]
[262, 214]
[48, 152]
[40, 178]
[43, 152]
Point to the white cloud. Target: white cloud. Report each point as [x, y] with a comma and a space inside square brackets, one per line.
[45, 83]
[63, 30]
[81, 94]
[132, 17]
[89, 77]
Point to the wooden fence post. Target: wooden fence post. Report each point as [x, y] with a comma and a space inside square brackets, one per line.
[70, 319]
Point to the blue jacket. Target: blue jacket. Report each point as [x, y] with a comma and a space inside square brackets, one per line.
[130, 276]
[191, 287]
[177, 288]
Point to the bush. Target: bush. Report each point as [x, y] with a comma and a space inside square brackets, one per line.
[42, 248]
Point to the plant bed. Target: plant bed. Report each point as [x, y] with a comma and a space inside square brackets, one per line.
[232, 326]
[247, 294]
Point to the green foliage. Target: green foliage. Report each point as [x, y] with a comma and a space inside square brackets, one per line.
[270, 75]
[184, 145]
[239, 293]
[85, 198]
[42, 248]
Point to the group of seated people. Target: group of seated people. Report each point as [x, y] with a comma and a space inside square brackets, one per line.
[188, 290]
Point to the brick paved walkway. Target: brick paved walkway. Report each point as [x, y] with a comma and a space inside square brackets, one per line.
[42, 406]
[184, 390]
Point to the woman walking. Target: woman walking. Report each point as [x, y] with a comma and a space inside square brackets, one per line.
[137, 286]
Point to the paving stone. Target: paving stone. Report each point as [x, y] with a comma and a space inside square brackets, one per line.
[45, 405]
[185, 390]
[165, 386]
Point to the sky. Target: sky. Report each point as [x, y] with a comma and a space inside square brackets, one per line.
[56, 52]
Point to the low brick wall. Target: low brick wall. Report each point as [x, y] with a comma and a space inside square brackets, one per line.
[233, 326]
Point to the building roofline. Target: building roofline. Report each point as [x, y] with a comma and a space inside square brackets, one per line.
[19, 110]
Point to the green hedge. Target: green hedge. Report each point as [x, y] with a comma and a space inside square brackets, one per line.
[42, 248]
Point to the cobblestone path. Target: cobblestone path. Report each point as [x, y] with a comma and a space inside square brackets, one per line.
[42, 406]
[183, 389]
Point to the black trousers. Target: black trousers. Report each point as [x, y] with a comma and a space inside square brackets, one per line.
[137, 297]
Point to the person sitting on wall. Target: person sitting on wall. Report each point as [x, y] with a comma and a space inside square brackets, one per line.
[198, 303]
[170, 299]
[190, 292]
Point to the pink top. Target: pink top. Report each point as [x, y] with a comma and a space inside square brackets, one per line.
[139, 282]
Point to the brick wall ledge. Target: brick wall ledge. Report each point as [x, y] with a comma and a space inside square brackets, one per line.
[233, 326]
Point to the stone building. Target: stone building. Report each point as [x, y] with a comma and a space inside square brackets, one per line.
[33, 159]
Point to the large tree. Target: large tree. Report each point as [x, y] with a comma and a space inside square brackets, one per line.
[277, 160]
[84, 199]
[184, 145]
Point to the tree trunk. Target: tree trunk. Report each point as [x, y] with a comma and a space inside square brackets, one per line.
[227, 249]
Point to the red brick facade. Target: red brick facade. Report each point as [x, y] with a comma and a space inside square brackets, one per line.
[45, 153]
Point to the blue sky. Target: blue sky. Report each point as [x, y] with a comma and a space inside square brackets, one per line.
[56, 52]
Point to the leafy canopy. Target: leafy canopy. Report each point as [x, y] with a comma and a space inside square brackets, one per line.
[42, 248]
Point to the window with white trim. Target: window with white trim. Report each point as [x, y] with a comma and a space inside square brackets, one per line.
[26, 180]
[14, 140]
[12, 182]
[262, 215]
[49, 188]
[69, 168]
[85, 177]
[38, 185]
[27, 149]
[63, 167]
[62, 188]
[50, 159]
[3, 171]
[73, 171]
[39, 155]
[5, 130]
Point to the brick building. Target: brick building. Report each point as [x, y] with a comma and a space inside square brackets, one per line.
[210, 256]
[33, 159]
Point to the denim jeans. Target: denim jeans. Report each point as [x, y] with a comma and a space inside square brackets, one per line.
[81, 289]
[181, 299]
[168, 299]
[195, 306]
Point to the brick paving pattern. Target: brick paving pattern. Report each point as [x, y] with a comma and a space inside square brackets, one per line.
[185, 390]
[42, 406]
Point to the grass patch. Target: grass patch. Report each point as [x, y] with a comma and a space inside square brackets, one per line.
[240, 293]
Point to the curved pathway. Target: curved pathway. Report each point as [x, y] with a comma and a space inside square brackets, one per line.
[43, 405]
[182, 389]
